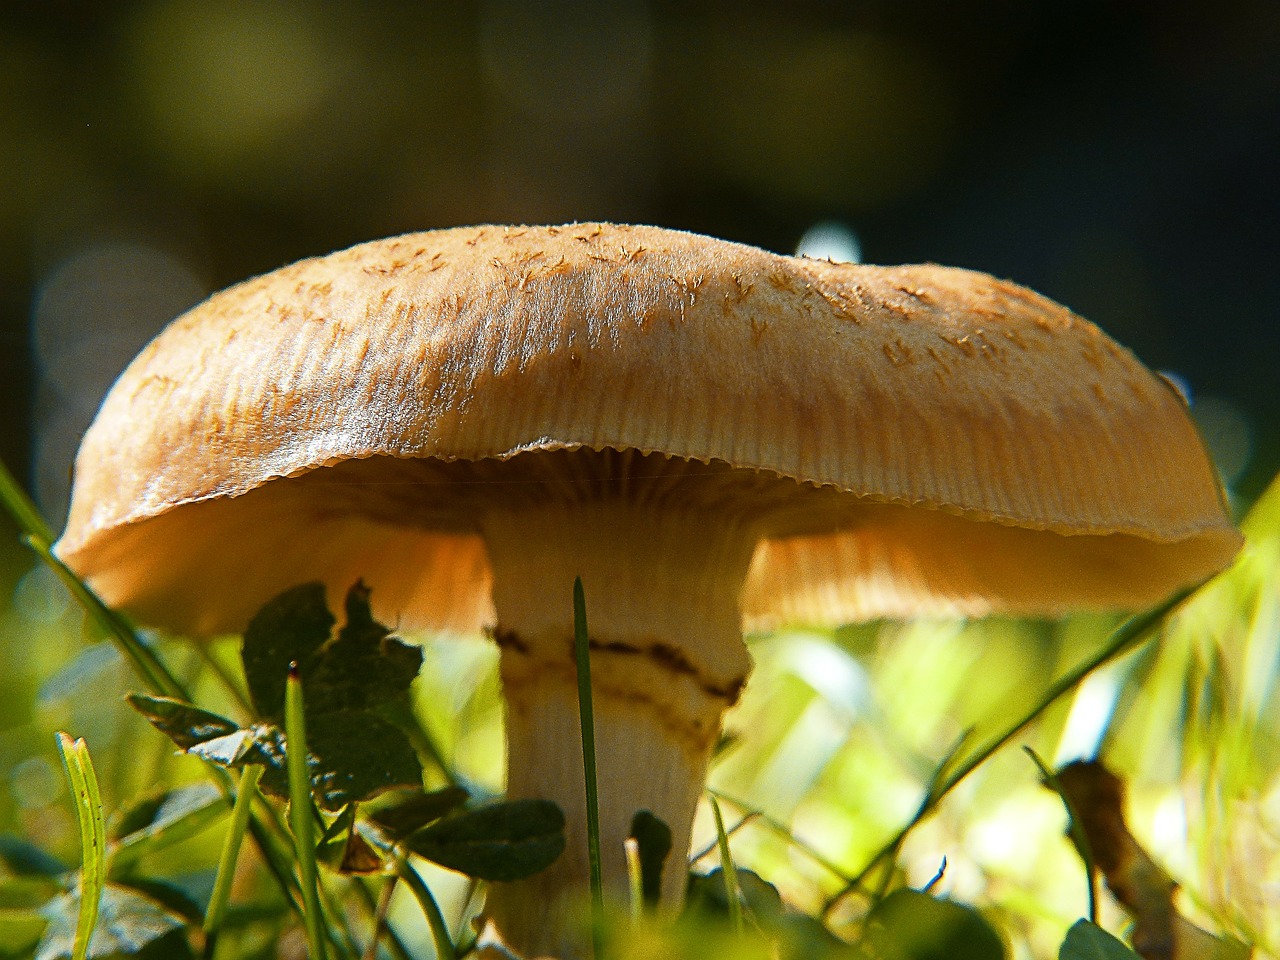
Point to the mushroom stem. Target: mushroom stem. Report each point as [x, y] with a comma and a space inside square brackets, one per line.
[662, 588]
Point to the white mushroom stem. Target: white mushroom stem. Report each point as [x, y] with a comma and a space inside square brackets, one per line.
[667, 659]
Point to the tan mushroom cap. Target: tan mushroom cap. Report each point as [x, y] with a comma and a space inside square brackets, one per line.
[924, 438]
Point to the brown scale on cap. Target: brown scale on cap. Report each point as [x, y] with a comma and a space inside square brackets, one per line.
[710, 435]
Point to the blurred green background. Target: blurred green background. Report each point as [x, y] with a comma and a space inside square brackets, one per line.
[1120, 157]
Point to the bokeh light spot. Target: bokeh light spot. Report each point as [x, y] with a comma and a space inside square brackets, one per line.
[1227, 432]
[39, 597]
[830, 240]
[34, 783]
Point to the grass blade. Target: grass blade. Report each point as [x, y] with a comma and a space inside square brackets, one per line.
[249, 777]
[378, 909]
[20, 507]
[732, 889]
[301, 814]
[752, 815]
[145, 662]
[39, 536]
[1135, 630]
[430, 909]
[93, 837]
[586, 715]
[1077, 832]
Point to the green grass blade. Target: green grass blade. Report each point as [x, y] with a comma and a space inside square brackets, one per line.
[1131, 633]
[445, 949]
[377, 908]
[249, 777]
[277, 853]
[39, 536]
[586, 715]
[20, 507]
[732, 888]
[301, 815]
[93, 837]
[145, 662]
[1077, 832]
[341, 936]
[751, 815]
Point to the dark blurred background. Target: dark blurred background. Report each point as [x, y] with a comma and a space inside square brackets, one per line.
[1123, 158]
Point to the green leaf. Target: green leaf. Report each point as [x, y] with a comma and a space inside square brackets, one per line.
[363, 665]
[165, 819]
[20, 931]
[910, 925]
[343, 765]
[355, 684]
[356, 756]
[709, 894]
[342, 849]
[1087, 941]
[263, 744]
[182, 723]
[404, 812]
[23, 858]
[360, 669]
[169, 895]
[160, 811]
[355, 752]
[127, 924]
[333, 840]
[291, 628]
[217, 739]
[800, 937]
[502, 841]
[27, 893]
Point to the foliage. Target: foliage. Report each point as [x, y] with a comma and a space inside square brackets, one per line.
[503, 841]
[354, 682]
[910, 721]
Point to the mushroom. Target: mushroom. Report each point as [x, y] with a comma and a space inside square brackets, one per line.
[709, 435]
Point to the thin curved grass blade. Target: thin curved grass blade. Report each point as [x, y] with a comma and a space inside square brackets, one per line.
[93, 837]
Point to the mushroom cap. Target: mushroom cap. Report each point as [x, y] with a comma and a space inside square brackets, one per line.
[955, 443]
